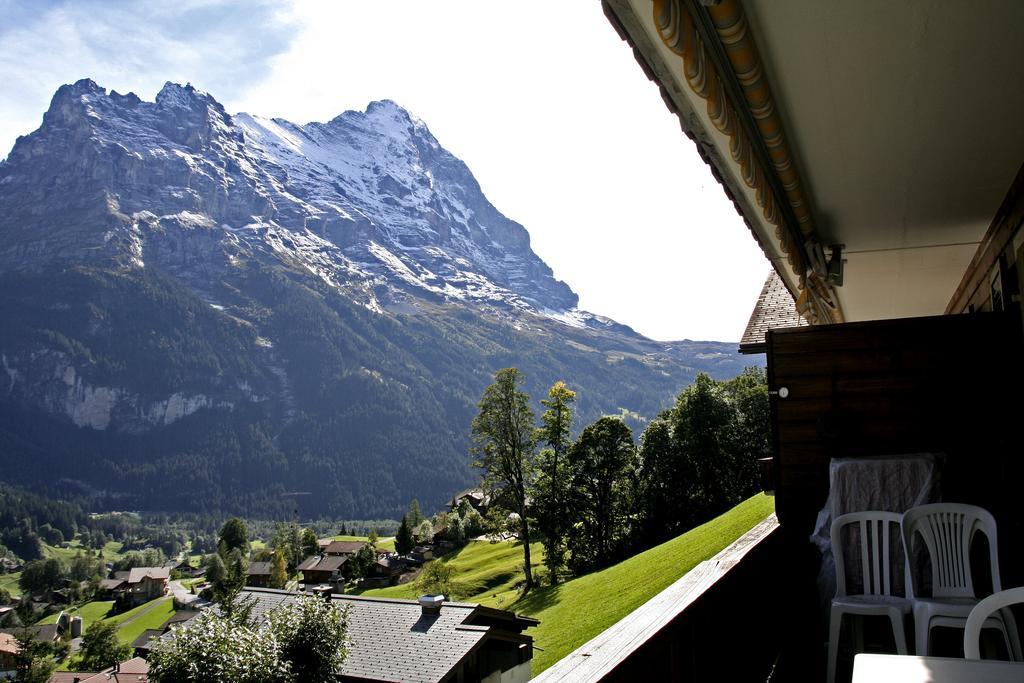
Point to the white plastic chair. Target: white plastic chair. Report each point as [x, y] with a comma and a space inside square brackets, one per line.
[947, 530]
[876, 574]
[980, 615]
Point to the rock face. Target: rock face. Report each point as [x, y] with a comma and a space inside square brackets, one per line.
[235, 303]
[368, 201]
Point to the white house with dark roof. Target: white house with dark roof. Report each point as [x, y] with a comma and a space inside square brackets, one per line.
[429, 641]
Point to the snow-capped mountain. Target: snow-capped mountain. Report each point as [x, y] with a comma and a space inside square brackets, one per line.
[206, 311]
[369, 201]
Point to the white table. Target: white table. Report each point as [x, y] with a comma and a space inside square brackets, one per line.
[871, 668]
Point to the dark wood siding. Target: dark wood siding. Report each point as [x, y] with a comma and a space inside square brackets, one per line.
[949, 384]
[995, 260]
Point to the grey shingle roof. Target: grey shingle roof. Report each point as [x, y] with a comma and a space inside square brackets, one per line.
[391, 639]
[774, 308]
[259, 568]
[138, 573]
[344, 547]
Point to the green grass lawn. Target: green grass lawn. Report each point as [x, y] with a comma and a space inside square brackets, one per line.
[90, 612]
[574, 612]
[154, 618]
[9, 582]
[485, 572]
[577, 610]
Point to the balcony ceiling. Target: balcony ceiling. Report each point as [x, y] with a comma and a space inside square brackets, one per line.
[906, 121]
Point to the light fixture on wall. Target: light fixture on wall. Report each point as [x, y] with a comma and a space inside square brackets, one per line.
[835, 265]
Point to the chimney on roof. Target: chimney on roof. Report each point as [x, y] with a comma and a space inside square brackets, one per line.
[431, 604]
[323, 592]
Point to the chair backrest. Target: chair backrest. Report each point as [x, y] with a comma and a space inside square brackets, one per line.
[876, 539]
[981, 612]
[947, 530]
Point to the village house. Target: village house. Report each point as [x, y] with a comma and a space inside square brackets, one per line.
[476, 498]
[136, 586]
[322, 568]
[343, 548]
[8, 655]
[135, 670]
[427, 640]
[258, 574]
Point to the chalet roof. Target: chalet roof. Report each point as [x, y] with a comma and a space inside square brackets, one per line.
[330, 563]
[476, 496]
[110, 584]
[142, 642]
[774, 308]
[139, 573]
[259, 568]
[309, 562]
[8, 643]
[45, 633]
[134, 670]
[344, 547]
[392, 639]
[69, 676]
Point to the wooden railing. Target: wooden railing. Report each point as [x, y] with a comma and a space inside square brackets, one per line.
[714, 623]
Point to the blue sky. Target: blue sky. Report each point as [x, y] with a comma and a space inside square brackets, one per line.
[540, 98]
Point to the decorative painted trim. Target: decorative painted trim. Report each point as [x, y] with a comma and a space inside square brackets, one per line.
[677, 28]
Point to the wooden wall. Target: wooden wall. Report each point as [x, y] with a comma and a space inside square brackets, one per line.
[948, 384]
[995, 263]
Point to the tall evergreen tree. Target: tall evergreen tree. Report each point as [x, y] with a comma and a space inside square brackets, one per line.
[550, 491]
[504, 445]
[403, 539]
[603, 463]
[415, 514]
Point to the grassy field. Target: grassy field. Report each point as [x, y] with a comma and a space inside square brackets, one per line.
[577, 610]
[484, 572]
[90, 612]
[9, 582]
[154, 618]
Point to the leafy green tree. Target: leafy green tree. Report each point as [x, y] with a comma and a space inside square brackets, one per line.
[34, 661]
[665, 480]
[436, 579]
[101, 648]
[278, 571]
[227, 650]
[704, 430]
[504, 445]
[234, 535]
[310, 543]
[359, 564]
[425, 532]
[373, 538]
[403, 539]
[550, 490]
[602, 462]
[39, 576]
[312, 638]
[288, 539]
[215, 570]
[5, 596]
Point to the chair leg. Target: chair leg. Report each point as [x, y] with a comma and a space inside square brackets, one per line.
[858, 634]
[922, 628]
[834, 630]
[1012, 635]
[899, 635]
